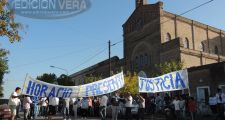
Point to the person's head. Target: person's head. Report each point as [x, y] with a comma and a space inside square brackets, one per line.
[219, 90]
[176, 98]
[192, 98]
[18, 90]
[116, 94]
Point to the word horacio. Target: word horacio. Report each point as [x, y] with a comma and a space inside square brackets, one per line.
[38, 88]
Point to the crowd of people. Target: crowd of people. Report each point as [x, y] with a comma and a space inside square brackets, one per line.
[126, 106]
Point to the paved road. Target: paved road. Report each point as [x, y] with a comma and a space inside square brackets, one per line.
[59, 117]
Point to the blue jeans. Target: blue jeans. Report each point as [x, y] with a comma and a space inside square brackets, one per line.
[103, 112]
[44, 111]
[66, 112]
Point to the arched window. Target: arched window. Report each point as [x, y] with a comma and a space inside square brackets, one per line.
[131, 66]
[186, 43]
[146, 59]
[202, 47]
[136, 60]
[141, 60]
[168, 37]
[216, 50]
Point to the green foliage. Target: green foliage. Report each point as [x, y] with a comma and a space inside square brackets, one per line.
[167, 67]
[8, 27]
[91, 78]
[65, 80]
[131, 84]
[49, 78]
[3, 68]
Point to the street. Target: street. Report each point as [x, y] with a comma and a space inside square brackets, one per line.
[59, 117]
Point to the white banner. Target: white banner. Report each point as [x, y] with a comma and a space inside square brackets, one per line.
[169, 82]
[35, 87]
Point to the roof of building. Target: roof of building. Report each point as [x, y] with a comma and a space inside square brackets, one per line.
[104, 62]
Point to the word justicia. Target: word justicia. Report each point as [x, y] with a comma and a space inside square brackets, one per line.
[49, 5]
[169, 82]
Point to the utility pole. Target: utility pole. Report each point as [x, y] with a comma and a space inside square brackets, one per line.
[109, 43]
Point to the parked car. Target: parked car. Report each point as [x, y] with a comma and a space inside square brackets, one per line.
[5, 112]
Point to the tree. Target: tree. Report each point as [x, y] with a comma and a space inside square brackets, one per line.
[49, 78]
[131, 84]
[8, 27]
[167, 67]
[91, 78]
[3, 68]
[65, 80]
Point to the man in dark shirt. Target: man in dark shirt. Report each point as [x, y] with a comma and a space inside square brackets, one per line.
[115, 106]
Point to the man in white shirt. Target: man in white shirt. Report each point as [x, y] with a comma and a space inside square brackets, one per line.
[128, 105]
[176, 104]
[26, 106]
[44, 104]
[14, 102]
[52, 108]
[213, 103]
[103, 105]
[182, 108]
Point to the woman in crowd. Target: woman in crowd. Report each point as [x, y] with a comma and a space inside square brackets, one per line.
[84, 108]
[44, 104]
[141, 109]
[26, 106]
[90, 107]
[192, 107]
[128, 105]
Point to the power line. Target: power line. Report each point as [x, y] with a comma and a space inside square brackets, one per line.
[89, 59]
[205, 3]
[117, 43]
[92, 57]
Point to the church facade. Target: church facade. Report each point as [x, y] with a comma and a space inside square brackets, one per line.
[153, 36]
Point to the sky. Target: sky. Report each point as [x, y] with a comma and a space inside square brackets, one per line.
[68, 43]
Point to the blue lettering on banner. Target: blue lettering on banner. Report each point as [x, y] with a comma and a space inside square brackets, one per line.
[66, 93]
[69, 92]
[179, 80]
[44, 88]
[37, 90]
[105, 85]
[168, 82]
[109, 86]
[149, 83]
[52, 93]
[157, 83]
[94, 89]
[29, 87]
[88, 88]
[142, 83]
[99, 92]
[59, 90]
[171, 81]
[166, 78]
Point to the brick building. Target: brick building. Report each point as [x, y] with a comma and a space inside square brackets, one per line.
[153, 35]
